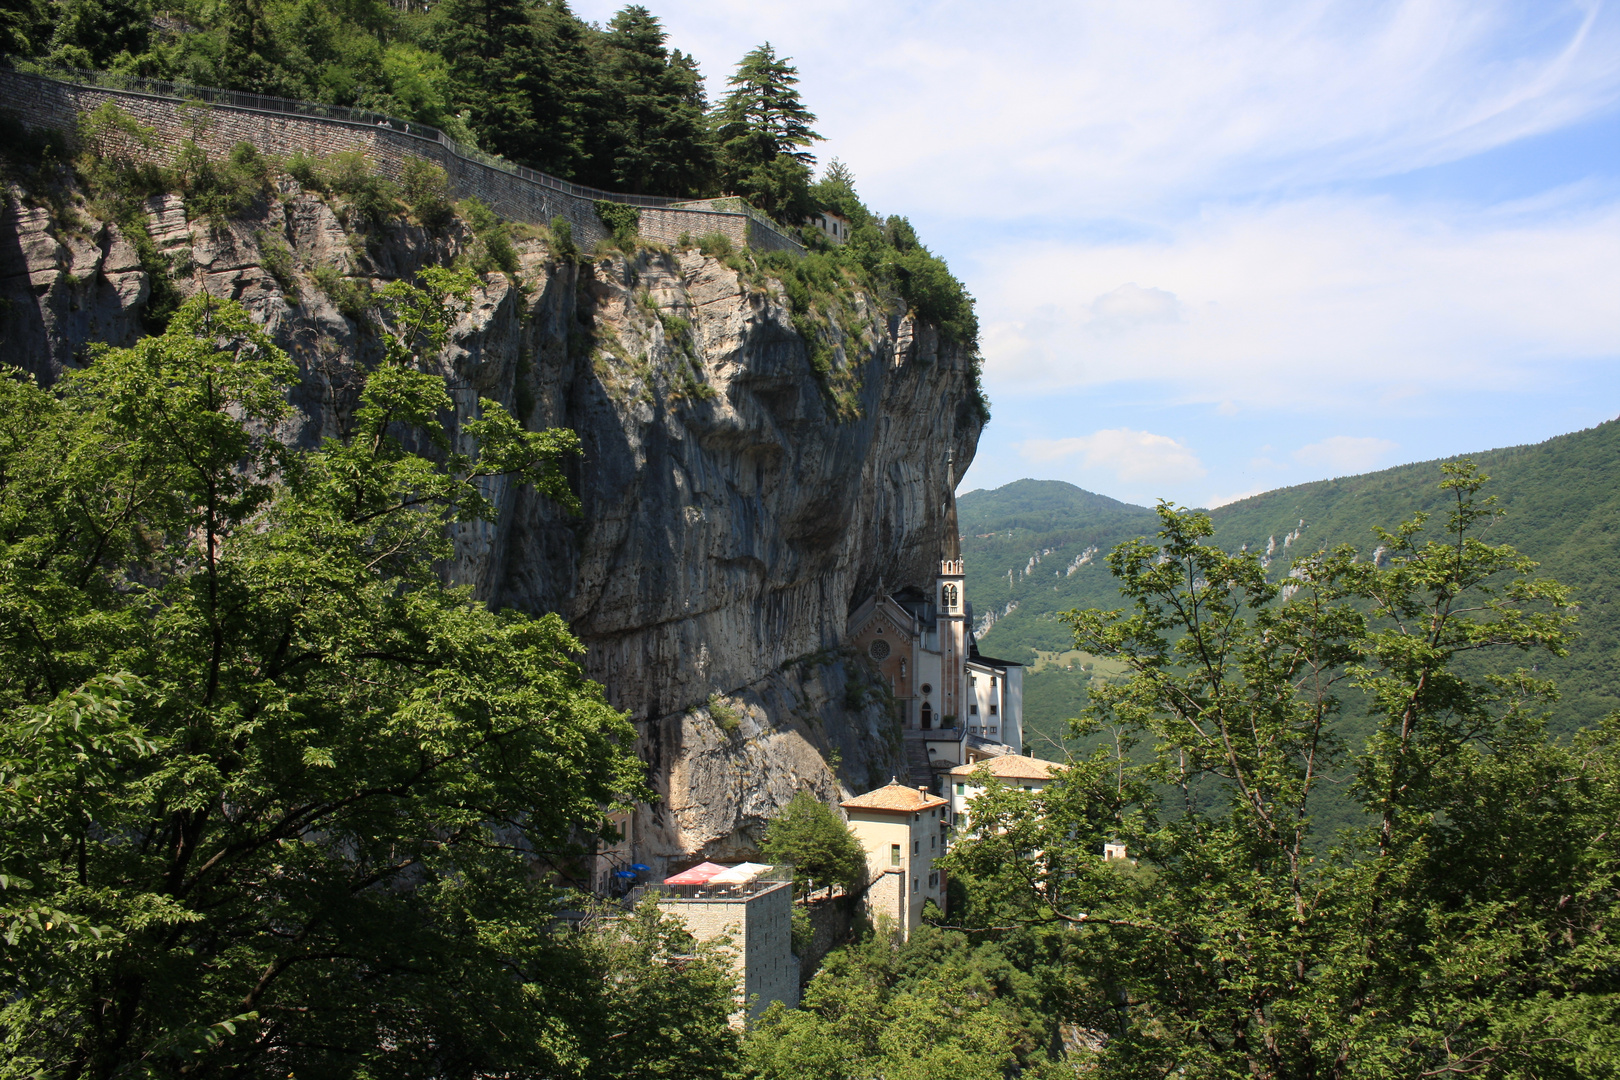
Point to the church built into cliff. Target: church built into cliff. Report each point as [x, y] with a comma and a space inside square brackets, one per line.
[956, 705]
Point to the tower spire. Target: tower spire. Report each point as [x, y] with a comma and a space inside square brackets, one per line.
[953, 534]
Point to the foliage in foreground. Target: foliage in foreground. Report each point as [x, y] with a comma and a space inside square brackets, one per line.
[937, 1006]
[1467, 931]
[273, 798]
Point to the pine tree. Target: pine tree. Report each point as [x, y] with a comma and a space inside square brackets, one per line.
[764, 131]
[653, 138]
[483, 41]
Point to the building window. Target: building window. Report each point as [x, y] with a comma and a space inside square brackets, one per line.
[931, 840]
[933, 880]
[926, 689]
[913, 884]
[894, 854]
[961, 789]
[994, 711]
[992, 682]
[916, 847]
[879, 649]
[973, 710]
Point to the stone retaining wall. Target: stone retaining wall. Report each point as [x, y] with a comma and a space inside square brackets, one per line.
[50, 103]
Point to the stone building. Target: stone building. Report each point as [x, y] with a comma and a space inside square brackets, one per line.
[755, 915]
[956, 704]
[903, 830]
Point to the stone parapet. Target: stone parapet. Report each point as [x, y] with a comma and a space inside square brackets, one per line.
[390, 145]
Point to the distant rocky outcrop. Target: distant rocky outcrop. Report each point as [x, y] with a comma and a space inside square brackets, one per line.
[730, 515]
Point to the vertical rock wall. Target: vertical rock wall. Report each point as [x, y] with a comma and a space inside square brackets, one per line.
[731, 518]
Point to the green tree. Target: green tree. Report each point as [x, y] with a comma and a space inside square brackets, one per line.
[273, 797]
[764, 130]
[835, 191]
[1465, 932]
[936, 1006]
[492, 47]
[667, 1000]
[99, 33]
[24, 26]
[523, 72]
[654, 137]
[814, 839]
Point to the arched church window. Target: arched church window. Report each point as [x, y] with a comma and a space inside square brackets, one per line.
[950, 598]
[879, 649]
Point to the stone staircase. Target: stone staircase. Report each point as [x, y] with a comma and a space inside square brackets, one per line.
[917, 764]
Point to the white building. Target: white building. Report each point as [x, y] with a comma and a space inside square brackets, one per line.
[1014, 770]
[836, 226]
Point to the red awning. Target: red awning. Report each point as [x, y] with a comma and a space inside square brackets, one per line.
[697, 875]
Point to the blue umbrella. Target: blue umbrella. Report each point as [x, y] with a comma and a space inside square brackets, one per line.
[640, 868]
[623, 874]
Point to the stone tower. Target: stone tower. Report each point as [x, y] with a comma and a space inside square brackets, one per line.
[950, 598]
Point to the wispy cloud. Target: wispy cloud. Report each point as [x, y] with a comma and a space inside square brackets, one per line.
[1342, 455]
[1334, 299]
[1132, 457]
[1092, 107]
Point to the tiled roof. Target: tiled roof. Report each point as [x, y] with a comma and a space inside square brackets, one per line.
[1012, 767]
[895, 796]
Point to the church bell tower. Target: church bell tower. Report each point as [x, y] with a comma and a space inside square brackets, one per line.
[950, 600]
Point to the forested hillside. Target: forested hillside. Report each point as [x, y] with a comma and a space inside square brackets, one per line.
[1026, 546]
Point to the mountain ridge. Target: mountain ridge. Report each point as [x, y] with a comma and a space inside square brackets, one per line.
[1560, 500]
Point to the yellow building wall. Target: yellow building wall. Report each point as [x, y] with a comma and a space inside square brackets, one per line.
[921, 842]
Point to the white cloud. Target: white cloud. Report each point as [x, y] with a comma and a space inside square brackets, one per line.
[1133, 457]
[1344, 455]
[1221, 500]
[1087, 109]
[1317, 303]
[1130, 306]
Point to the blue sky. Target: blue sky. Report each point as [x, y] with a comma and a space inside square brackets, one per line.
[1221, 247]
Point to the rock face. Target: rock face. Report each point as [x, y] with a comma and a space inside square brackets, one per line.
[733, 515]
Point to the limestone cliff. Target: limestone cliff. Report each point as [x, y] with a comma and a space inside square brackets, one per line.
[732, 515]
